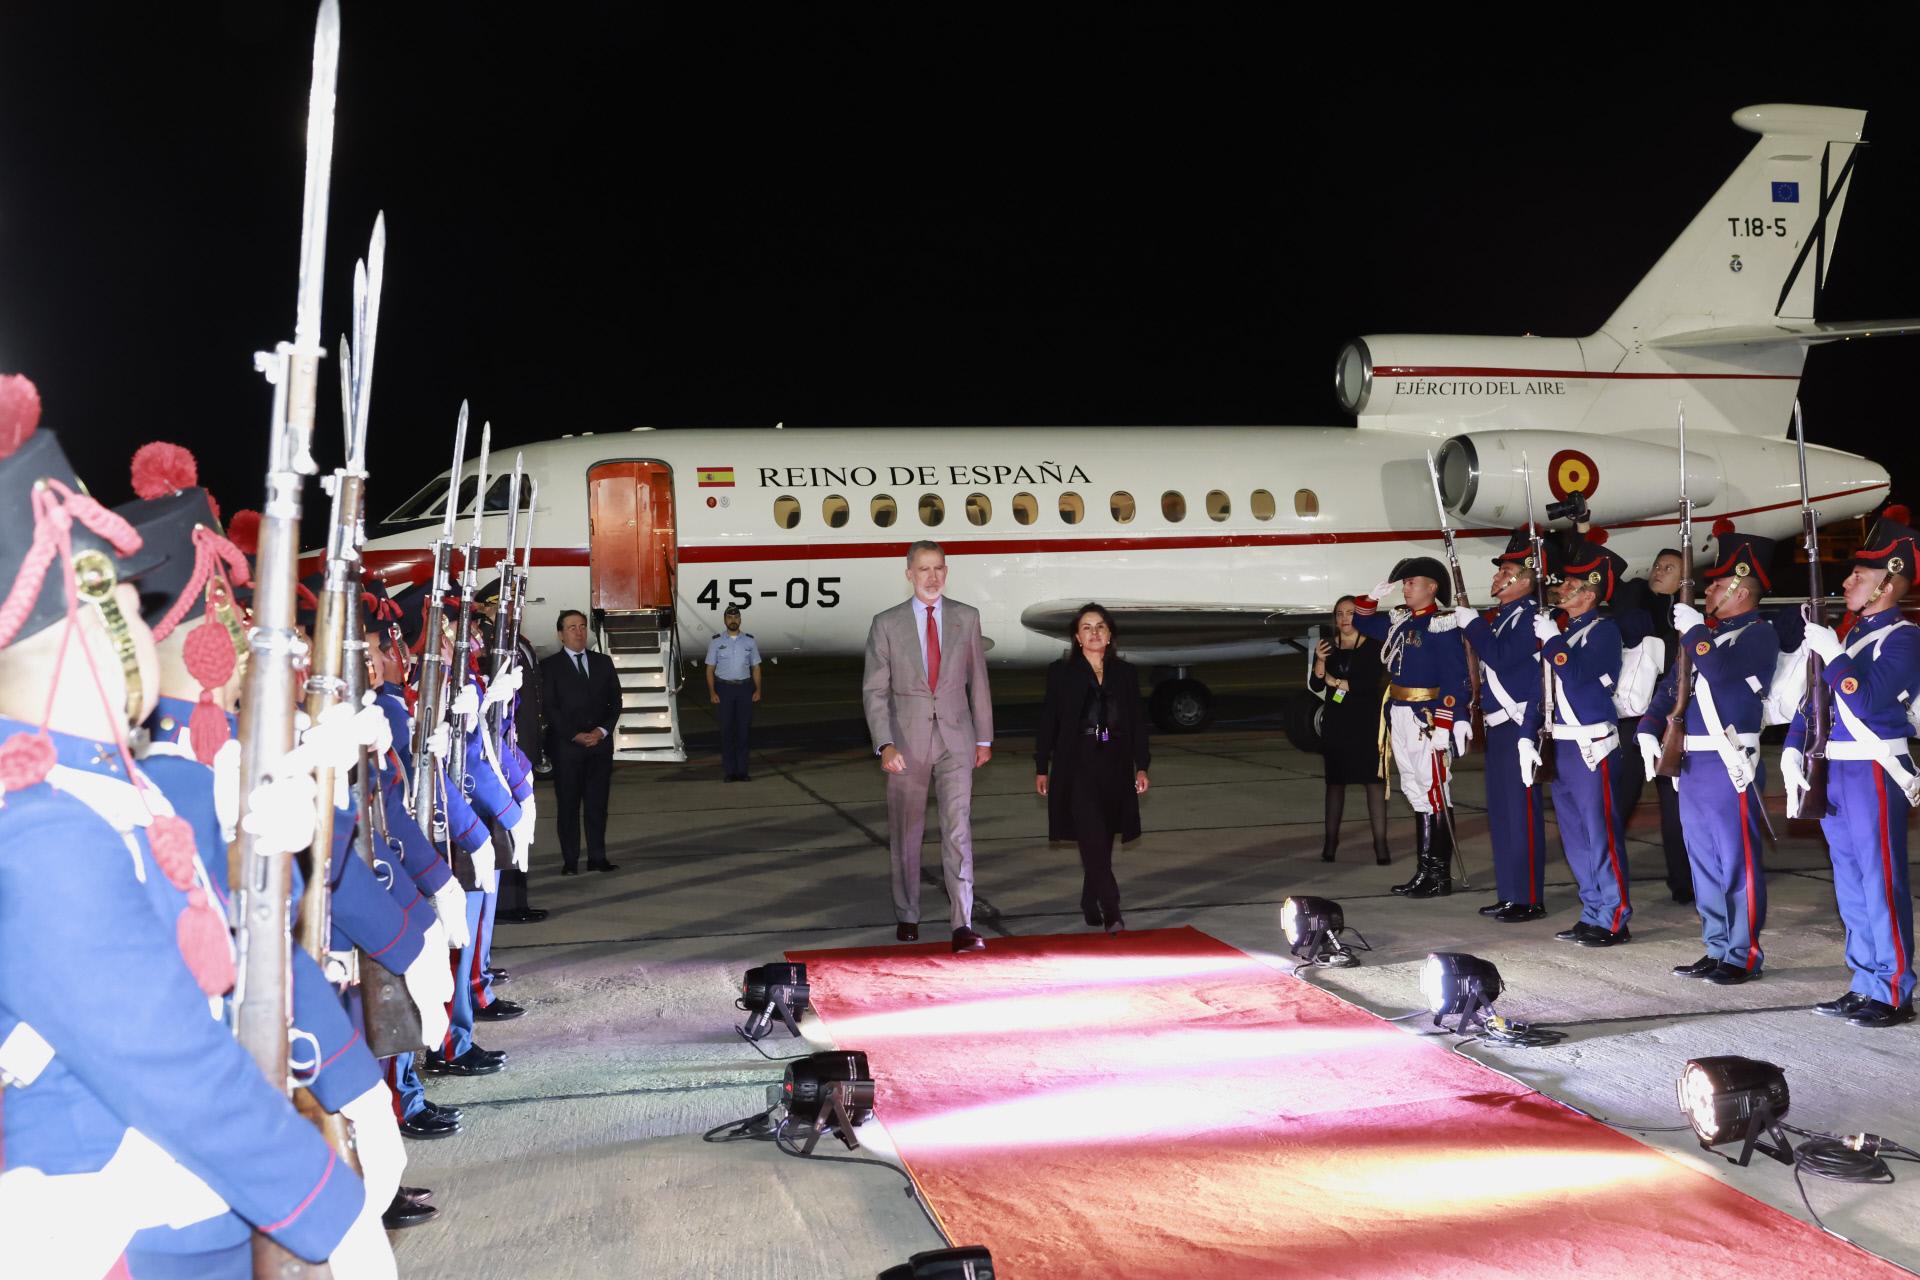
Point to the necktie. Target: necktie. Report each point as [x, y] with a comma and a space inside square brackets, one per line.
[580, 664]
[933, 651]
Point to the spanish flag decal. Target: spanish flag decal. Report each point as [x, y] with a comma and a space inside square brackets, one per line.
[715, 477]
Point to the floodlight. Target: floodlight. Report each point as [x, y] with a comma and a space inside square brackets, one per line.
[829, 1093]
[971, 1262]
[774, 989]
[1733, 1099]
[1313, 926]
[1454, 982]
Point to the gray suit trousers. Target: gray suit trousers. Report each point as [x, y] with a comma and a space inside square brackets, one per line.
[951, 777]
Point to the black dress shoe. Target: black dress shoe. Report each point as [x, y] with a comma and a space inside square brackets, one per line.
[1601, 938]
[422, 1194]
[1729, 975]
[907, 931]
[428, 1124]
[1521, 913]
[729, 778]
[406, 1213]
[474, 1062]
[1698, 969]
[965, 939]
[1092, 916]
[526, 915]
[1845, 1007]
[1878, 1013]
[1581, 929]
[447, 1113]
[1495, 908]
[606, 866]
[499, 1011]
[569, 871]
[500, 977]
[498, 1055]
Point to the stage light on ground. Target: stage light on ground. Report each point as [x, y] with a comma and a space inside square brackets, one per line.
[774, 990]
[1734, 1099]
[1313, 927]
[829, 1093]
[971, 1262]
[1454, 982]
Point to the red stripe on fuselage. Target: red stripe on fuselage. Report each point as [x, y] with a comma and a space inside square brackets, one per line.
[1468, 371]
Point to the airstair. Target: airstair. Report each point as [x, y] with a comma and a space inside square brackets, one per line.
[645, 657]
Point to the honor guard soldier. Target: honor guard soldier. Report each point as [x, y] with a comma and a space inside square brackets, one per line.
[518, 749]
[1721, 776]
[1509, 654]
[1874, 677]
[1585, 659]
[733, 664]
[114, 1059]
[1425, 710]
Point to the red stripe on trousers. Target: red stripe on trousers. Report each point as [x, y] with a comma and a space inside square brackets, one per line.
[1746, 849]
[1886, 872]
[1533, 896]
[1613, 854]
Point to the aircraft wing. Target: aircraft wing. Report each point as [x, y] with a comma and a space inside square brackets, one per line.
[1809, 332]
[1155, 624]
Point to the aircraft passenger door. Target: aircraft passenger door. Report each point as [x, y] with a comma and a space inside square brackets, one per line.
[631, 535]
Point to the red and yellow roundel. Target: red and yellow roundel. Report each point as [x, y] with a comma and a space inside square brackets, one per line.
[1447, 701]
[1850, 685]
[1704, 648]
[1560, 659]
[1571, 471]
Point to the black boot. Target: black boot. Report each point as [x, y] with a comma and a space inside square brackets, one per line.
[1436, 861]
[1422, 837]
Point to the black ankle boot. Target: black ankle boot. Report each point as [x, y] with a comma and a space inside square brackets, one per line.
[1422, 840]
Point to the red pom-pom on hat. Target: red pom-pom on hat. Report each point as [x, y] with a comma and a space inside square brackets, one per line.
[160, 468]
[1722, 526]
[244, 532]
[1898, 513]
[19, 411]
[1598, 537]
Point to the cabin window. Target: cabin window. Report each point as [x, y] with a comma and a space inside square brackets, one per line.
[932, 509]
[834, 511]
[1219, 505]
[979, 509]
[1026, 508]
[1173, 506]
[1121, 506]
[786, 511]
[1306, 504]
[884, 510]
[1072, 508]
[499, 491]
[1261, 504]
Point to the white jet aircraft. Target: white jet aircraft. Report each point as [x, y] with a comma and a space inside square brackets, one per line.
[1212, 543]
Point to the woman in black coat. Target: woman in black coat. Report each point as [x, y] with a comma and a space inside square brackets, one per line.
[1347, 676]
[1090, 758]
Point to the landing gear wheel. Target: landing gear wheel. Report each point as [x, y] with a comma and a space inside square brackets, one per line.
[1301, 718]
[1182, 706]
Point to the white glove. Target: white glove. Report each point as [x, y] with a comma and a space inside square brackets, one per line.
[1529, 760]
[438, 744]
[281, 814]
[483, 863]
[1463, 615]
[1462, 734]
[528, 808]
[1544, 627]
[1686, 618]
[450, 906]
[364, 1253]
[430, 982]
[376, 1139]
[503, 688]
[1793, 773]
[467, 704]
[226, 788]
[1823, 640]
[1380, 590]
[1649, 753]
[372, 729]
[522, 832]
[333, 742]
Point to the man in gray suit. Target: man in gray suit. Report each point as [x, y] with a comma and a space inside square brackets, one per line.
[931, 718]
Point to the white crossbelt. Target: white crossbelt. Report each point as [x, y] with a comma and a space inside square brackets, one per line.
[1890, 753]
[1584, 732]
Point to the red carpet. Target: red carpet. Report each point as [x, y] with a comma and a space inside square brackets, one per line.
[1163, 1105]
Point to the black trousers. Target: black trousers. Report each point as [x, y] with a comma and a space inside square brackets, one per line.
[1093, 831]
[736, 720]
[581, 779]
[513, 890]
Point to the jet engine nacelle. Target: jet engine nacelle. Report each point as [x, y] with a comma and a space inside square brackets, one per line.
[1482, 476]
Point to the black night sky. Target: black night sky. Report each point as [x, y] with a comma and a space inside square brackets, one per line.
[605, 215]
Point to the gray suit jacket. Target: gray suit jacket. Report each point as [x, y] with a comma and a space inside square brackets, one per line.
[901, 709]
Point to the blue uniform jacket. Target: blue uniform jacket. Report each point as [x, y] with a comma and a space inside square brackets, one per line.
[86, 961]
[1508, 648]
[490, 796]
[387, 921]
[1421, 651]
[1737, 660]
[1876, 689]
[1586, 657]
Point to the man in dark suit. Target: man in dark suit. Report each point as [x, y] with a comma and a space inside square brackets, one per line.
[581, 696]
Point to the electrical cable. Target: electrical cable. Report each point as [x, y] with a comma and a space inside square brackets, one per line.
[781, 1141]
[755, 1128]
[763, 1053]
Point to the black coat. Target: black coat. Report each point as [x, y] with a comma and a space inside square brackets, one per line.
[1060, 748]
[573, 705]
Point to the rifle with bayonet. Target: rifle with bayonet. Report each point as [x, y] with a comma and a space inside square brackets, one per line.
[463, 633]
[1673, 740]
[1544, 739]
[1818, 707]
[430, 708]
[1459, 596]
[261, 872]
[505, 626]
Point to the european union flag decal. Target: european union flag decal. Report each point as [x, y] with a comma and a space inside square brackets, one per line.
[1786, 193]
